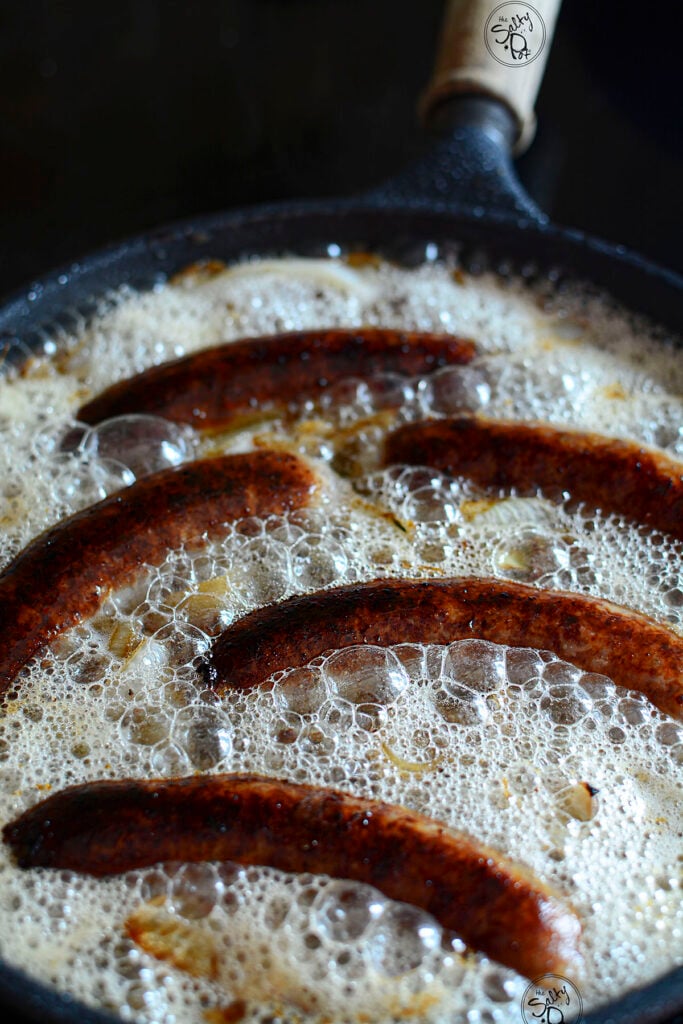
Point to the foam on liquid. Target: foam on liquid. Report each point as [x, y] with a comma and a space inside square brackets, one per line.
[498, 740]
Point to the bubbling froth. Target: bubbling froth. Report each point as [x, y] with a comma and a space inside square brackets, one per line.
[504, 739]
[557, 768]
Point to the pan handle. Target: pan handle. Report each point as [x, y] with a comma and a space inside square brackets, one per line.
[480, 105]
[497, 50]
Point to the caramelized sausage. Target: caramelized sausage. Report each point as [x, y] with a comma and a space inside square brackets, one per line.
[634, 651]
[496, 906]
[237, 383]
[604, 473]
[64, 574]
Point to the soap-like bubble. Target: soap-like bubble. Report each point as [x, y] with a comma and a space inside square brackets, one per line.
[530, 556]
[458, 704]
[204, 733]
[455, 389]
[145, 444]
[145, 725]
[344, 912]
[301, 690]
[318, 560]
[401, 938]
[477, 664]
[565, 703]
[183, 643]
[366, 675]
[194, 890]
[79, 481]
[430, 505]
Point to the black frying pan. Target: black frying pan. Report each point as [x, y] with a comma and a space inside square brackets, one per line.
[464, 197]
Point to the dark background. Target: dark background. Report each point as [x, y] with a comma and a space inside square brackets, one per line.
[116, 117]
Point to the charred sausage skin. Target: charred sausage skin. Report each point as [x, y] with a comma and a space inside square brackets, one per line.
[64, 574]
[239, 382]
[496, 906]
[603, 473]
[597, 636]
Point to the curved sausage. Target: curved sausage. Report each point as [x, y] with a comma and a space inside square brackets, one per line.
[597, 636]
[496, 906]
[236, 383]
[604, 473]
[65, 573]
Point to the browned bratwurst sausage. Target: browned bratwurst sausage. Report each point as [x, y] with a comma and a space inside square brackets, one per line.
[65, 573]
[634, 651]
[604, 473]
[496, 906]
[237, 383]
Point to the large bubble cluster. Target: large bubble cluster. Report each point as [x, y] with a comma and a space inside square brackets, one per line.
[554, 385]
[62, 468]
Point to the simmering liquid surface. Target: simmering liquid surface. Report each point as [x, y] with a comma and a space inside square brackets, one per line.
[556, 768]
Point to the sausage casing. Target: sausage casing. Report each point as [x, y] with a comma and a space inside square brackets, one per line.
[239, 382]
[597, 636]
[603, 473]
[65, 573]
[495, 905]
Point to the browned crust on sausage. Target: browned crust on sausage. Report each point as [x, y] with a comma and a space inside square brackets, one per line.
[597, 636]
[236, 383]
[603, 473]
[65, 573]
[496, 906]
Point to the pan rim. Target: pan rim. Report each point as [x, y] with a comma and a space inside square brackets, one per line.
[24, 302]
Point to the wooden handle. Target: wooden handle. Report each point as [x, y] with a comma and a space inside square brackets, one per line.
[494, 49]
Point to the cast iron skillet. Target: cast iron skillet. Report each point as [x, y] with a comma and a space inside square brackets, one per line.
[462, 197]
